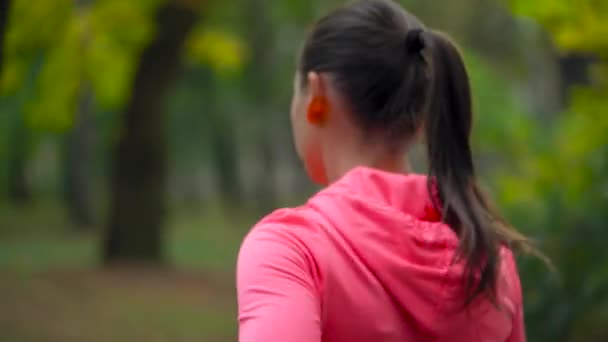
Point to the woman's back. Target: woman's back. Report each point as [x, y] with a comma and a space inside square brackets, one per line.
[364, 261]
[374, 257]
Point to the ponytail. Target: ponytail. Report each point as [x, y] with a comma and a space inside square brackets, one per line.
[452, 177]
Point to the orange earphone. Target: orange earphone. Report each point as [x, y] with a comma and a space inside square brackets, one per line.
[318, 111]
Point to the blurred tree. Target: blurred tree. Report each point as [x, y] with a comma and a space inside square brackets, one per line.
[261, 74]
[85, 55]
[4, 9]
[222, 58]
[17, 184]
[568, 168]
[24, 61]
[78, 158]
[224, 152]
[78, 150]
[139, 182]
[204, 110]
[18, 189]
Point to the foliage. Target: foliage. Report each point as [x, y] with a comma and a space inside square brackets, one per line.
[575, 25]
[222, 51]
[97, 44]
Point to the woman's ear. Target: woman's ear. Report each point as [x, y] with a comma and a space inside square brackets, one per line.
[318, 107]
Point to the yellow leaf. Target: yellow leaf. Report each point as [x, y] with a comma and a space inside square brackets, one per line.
[223, 52]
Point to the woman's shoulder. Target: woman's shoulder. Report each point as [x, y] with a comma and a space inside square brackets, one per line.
[296, 220]
[287, 240]
[297, 227]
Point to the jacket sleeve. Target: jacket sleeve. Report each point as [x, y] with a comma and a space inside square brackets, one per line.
[277, 297]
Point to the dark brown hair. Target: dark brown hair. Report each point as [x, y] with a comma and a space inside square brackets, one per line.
[399, 76]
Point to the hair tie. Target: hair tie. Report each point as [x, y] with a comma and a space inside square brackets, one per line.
[414, 41]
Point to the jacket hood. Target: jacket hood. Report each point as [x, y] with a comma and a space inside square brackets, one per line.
[388, 220]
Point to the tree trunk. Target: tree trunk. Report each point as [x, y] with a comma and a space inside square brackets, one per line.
[78, 152]
[78, 168]
[225, 159]
[4, 8]
[266, 193]
[221, 138]
[137, 211]
[17, 183]
[18, 189]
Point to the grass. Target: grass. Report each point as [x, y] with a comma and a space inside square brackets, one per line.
[53, 289]
[115, 305]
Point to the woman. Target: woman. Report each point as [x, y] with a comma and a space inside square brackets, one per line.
[381, 254]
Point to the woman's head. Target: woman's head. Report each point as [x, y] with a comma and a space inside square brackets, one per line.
[370, 78]
[360, 74]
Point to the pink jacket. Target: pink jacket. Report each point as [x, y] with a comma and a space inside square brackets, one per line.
[362, 261]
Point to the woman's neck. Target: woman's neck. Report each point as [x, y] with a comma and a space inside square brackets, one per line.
[341, 162]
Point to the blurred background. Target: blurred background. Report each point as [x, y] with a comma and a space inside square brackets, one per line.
[141, 139]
